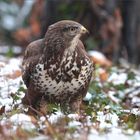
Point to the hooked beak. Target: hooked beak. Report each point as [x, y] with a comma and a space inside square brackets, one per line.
[84, 30]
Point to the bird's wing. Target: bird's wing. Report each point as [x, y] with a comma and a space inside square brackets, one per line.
[81, 48]
[81, 45]
[30, 59]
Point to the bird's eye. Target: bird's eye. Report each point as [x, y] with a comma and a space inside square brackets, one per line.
[72, 29]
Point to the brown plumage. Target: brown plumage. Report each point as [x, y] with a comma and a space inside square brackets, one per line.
[57, 69]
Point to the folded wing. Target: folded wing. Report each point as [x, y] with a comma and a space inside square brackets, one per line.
[31, 58]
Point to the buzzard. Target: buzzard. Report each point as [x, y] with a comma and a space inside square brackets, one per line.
[57, 69]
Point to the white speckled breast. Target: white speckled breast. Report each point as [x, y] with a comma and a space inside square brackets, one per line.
[51, 86]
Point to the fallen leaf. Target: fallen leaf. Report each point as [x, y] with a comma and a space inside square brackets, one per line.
[2, 64]
[103, 75]
[33, 120]
[14, 75]
[2, 110]
[99, 58]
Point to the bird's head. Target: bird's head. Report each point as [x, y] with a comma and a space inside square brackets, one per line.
[62, 36]
[67, 29]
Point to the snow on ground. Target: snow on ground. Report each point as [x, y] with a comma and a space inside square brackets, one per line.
[10, 81]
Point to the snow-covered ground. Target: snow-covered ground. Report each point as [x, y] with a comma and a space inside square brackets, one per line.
[11, 81]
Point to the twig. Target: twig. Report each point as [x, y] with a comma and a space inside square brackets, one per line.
[48, 124]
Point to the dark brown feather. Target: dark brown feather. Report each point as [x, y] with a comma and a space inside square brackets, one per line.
[31, 58]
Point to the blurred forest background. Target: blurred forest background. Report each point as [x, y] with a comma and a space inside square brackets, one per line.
[111, 108]
[114, 25]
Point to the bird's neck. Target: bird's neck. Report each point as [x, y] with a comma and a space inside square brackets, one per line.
[53, 50]
[73, 44]
[56, 47]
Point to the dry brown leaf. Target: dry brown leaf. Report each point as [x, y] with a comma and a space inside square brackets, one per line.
[102, 62]
[21, 133]
[14, 75]
[2, 110]
[103, 75]
[2, 64]
[22, 34]
[33, 120]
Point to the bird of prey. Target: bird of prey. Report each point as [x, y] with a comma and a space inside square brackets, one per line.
[57, 69]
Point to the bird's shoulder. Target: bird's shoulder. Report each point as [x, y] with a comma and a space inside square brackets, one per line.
[30, 59]
[33, 49]
[80, 48]
[80, 45]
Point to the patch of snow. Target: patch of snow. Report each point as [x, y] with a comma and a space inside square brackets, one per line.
[42, 137]
[136, 100]
[104, 118]
[7, 85]
[111, 95]
[6, 101]
[73, 116]
[115, 134]
[132, 92]
[74, 123]
[137, 77]
[8, 108]
[97, 54]
[117, 79]
[107, 107]
[54, 117]
[88, 96]
[42, 118]
[135, 111]
[23, 120]
[5, 48]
